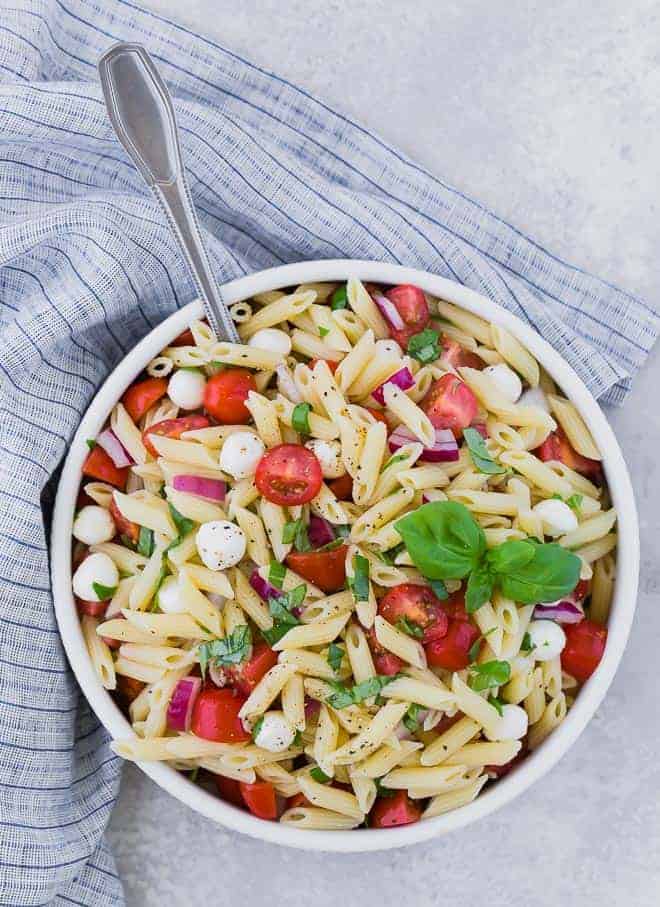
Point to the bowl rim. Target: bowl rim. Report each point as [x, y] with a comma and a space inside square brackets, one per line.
[592, 693]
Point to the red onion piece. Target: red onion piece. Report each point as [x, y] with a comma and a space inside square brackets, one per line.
[481, 428]
[389, 311]
[179, 711]
[320, 531]
[403, 379]
[564, 612]
[262, 587]
[111, 444]
[312, 708]
[443, 450]
[212, 489]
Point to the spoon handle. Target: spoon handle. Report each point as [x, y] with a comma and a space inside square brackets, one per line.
[141, 112]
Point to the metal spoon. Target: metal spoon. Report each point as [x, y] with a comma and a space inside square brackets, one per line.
[142, 114]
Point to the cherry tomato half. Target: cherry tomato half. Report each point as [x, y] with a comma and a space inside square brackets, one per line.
[457, 356]
[184, 339]
[450, 403]
[289, 474]
[410, 303]
[98, 465]
[225, 395]
[93, 609]
[388, 812]
[297, 801]
[260, 799]
[332, 365]
[557, 447]
[378, 414]
[123, 526]
[454, 606]
[141, 397]
[385, 662]
[246, 676]
[418, 605]
[326, 569]
[215, 716]
[452, 651]
[585, 644]
[230, 790]
[172, 428]
[342, 488]
[500, 770]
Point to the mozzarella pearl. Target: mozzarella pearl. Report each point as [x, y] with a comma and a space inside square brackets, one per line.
[547, 638]
[510, 725]
[557, 517]
[241, 453]
[94, 525]
[328, 453]
[275, 733]
[186, 389]
[272, 340]
[169, 596]
[97, 568]
[505, 380]
[388, 349]
[220, 544]
[534, 396]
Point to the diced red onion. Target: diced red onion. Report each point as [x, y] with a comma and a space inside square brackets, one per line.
[389, 311]
[320, 531]
[179, 711]
[211, 489]
[443, 450]
[564, 612]
[401, 732]
[312, 708]
[262, 587]
[403, 379]
[111, 444]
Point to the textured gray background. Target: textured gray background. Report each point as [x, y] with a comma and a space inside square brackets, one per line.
[548, 113]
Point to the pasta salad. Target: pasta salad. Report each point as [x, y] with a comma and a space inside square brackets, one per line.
[350, 570]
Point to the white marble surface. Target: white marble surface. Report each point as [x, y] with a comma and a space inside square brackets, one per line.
[549, 114]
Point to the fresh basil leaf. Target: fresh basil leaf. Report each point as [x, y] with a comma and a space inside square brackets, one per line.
[359, 582]
[257, 727]
[552, 573]
[128, 543]
[526, 645]
[475, 648]
[300, 418]
[411, 718]
[323, 332]
[276, 574]
[339, 299]
[342, 696]
[318, 775]
[145, 543]
[510, 556]
[297, 739]
[409, 628]
[396, 458]
[480, 454]
[489, 674]
[333, 545]
[439, 589]
[384, 791]
[479, 588]
[91, 443]
[343, 531]
[390, 556]
[443, 539]
[155, 606]
[182, 523]
[297, 595]
[497, 704]
[229, 650]
[425, 346]
[289, 531]
[335, 656]
[575, 502]
[103, 592]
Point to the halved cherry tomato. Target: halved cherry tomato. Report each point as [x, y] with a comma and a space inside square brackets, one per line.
[123, 526]
[229, 790]
[225, 395]
[215, 716]
[450, 403]
[557, 447]
[93, 609]
[297, 801]
[457, 356]
[326, 569]
[385, 662]
[454, 606]
[378, 414]
[141, 396]
[332, 365]
[410, 303]
[260, 799]
[581, 590]
[289, 474]
[246, 676]
[419, 606]
[128, 688]
[342, 488]
[452, 651]
[172, 428]
[185, 339]
[98, 465]
[585, 644]
[388, 812]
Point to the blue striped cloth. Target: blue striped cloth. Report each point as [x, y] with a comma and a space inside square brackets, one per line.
[87, 267]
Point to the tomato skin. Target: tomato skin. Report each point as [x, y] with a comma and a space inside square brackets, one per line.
[184, 339]
[245, 677]
[326, 569]
[410, 303]
[172, 428]
[385, 662]
[457, 356]
[260, 798]
[454, 606]
[297, 801]
[123, 526]
[289, 474]
[215, 716]
[225, 395]
[98, 465]
[419, 605]
[452, 651]
[450, 403]
[378, 415]
[230, 790]
[389, 812]
[585, 644]
[332, 365]
[342, 488]
[141, 397]
[557, 447]
[92, 609]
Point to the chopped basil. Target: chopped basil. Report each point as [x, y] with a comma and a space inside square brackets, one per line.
[103, 592]
[359, 582]
[475, 648]
[397, 458]
[425, 346]
[297, 739]
[229, 650]
[296, 531]
[257, 727]
[383, 791]
[129, 543]
[480, 454]
[335, 656]
[489, 674]
[281, 611]
[411, 718]
[341, 697]
[497, 704]
[344, 696]
[318, 775]
[91, 443]
[182, 523]
[390, 556]
[526, 645]
[409, 628]
[323, 332]
[343, 531]
[574, 501]
[339, 299]
[145, 543]
[276, 574]
[300, 418]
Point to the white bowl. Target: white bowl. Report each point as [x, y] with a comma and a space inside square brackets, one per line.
[537, 764]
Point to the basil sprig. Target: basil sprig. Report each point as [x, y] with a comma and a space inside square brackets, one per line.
[425, 346]
[480, 454]
[281, 609]
[296, 531]
[445, 542]
[229, 650]
[489, 674]
[335, 656]
[300, 418]
[343, 696]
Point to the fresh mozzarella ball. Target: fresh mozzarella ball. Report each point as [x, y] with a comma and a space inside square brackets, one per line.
[547, 638]
[169, 596]
[186, 389]
[510, 725]
[241, 453]
[534, 396]
[556, 516]
[97, 568]
[275, 733]
[388, 349]
[221, 544]
[93, 525]
[272, 340]
[505, 380]
[328, 453]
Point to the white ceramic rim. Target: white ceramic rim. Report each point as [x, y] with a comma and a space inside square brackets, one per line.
[537, 764]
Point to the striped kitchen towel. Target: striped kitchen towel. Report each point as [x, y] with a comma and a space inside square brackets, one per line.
[87, 267]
